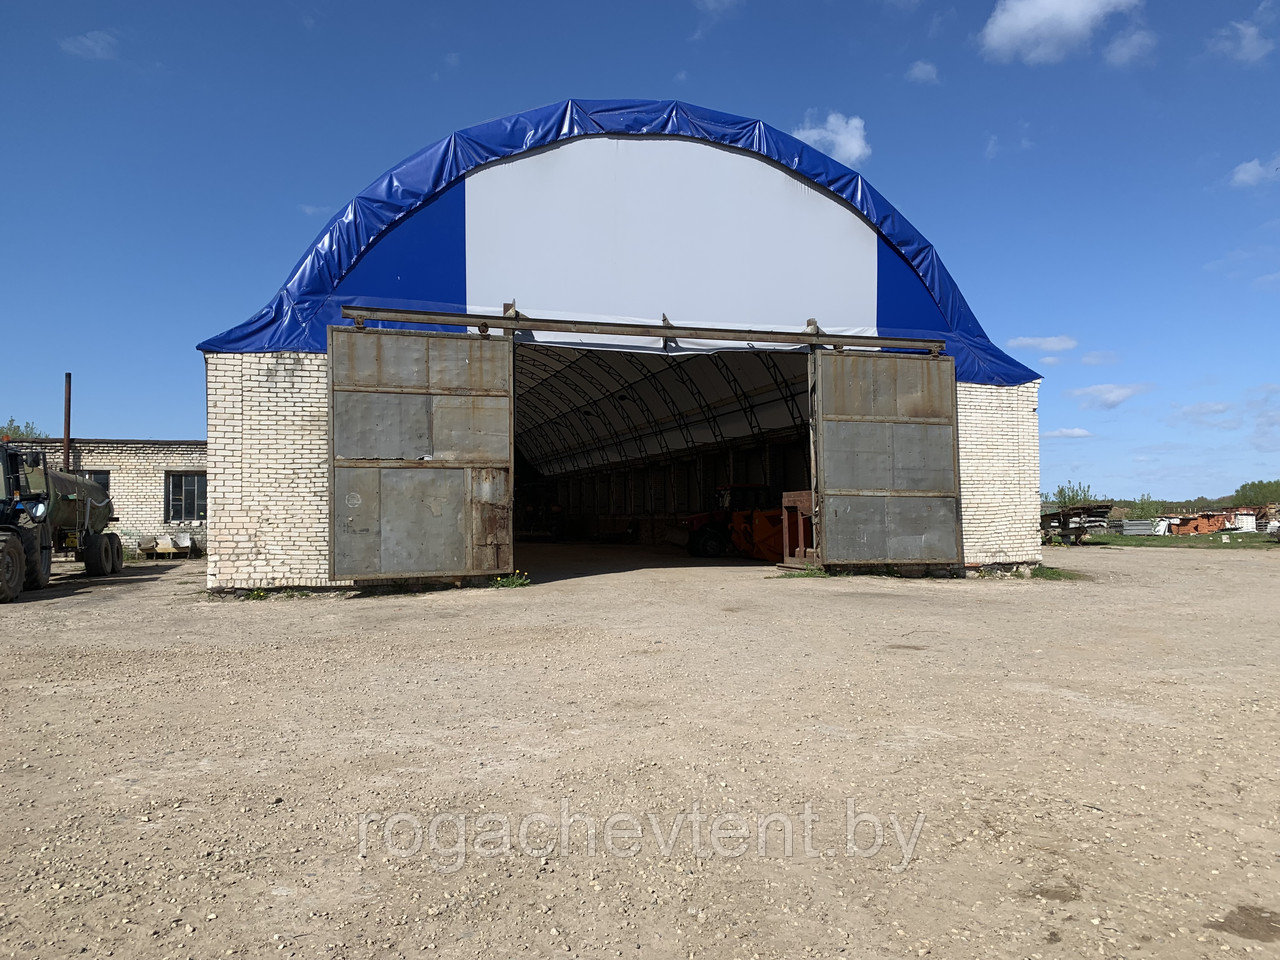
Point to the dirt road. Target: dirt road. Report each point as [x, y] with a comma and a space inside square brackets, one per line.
[1053, 769]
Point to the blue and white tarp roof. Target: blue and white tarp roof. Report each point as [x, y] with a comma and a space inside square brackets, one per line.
[628, 209]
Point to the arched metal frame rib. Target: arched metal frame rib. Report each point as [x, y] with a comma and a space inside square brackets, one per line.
[653, 379]
[700, 398]
[784, 386]
[744, 402]
[583, 410]
[571, 411]
[624, 385]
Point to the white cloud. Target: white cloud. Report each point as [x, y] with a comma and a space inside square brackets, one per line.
[1254, 172]
[1241, 40]
[94, 45]
[922, 71]
[1052, 344]
[1045, 31]
[681, 76]
[1130, 46]
[314, 210]
[1212, 415]
[1243, 262]
[1264, 405]
[938, 22]
[1108, 396]
[1072, 433]
[452, 59]
[844, 138]
[712, 11]
[1050, 361]
[1207, 409]
[1099, 358]
[992, 149]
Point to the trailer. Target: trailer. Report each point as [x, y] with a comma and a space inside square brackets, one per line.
[1072, 524]
[43, 510]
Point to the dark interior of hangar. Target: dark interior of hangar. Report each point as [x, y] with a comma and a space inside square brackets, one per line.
[625, 446]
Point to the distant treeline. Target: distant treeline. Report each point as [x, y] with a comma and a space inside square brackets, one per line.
[1256, 493]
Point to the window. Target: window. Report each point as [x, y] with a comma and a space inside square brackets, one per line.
[101, 477]
[184, 500]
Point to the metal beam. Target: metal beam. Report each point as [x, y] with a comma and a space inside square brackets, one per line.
[731, 381]
[783, 386]
[811, 337]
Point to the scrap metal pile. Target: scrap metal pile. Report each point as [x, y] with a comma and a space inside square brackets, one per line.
[1072, 524]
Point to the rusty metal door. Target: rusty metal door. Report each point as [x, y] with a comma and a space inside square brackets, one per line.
[886, 476]
[421, 454]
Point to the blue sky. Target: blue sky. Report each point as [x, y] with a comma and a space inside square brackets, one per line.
[1102, 177]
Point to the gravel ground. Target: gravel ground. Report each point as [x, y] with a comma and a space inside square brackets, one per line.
[1055, 769]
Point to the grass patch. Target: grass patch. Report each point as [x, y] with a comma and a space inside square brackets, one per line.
[1203, 541]
[511, 580]
[1057, 573]
[289, 593]
[805, 573]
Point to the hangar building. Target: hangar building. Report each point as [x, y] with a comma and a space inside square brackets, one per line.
[609, 313]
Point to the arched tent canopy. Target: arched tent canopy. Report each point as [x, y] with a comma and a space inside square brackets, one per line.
[638, 208]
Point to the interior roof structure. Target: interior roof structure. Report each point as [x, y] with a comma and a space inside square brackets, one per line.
[578, 409]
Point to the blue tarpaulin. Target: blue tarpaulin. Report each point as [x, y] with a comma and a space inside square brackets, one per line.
[918, 297]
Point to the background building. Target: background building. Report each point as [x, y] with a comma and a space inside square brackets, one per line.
[157, 487]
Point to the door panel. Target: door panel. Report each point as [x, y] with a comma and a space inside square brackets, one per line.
[472, 428]
[424, 521]
[381, 426]
[357, 537]
[421, 454]
[886, 480]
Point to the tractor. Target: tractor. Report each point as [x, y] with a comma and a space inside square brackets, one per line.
[43, 510]
[747, 519]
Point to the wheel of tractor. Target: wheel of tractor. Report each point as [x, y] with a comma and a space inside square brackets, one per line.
[712, 542]
[97, 555]
[117, 552]
[37, 545]
[12, 567]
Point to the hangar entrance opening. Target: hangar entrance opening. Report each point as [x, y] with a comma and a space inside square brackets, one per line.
[449, 449]
[619, 446]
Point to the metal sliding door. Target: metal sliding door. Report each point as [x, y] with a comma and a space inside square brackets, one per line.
[421, 454]
[886, 478]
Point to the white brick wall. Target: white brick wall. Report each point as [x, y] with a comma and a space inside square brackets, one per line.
[269, 479]
[137, 484]
[268, 470]
[1000, 473]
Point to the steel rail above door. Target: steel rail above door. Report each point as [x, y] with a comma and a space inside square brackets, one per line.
[517, 321]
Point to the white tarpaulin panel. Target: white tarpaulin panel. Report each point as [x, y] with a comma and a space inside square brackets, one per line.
[709, 237]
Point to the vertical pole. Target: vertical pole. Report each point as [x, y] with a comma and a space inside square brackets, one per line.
[66, 426]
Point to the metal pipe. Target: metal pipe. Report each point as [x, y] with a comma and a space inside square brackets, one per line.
[363, 315]
[66, 426]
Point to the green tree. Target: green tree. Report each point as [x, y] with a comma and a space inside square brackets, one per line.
[1145, 508]
[22, 431]
[1256, 493]
[1072, 494]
